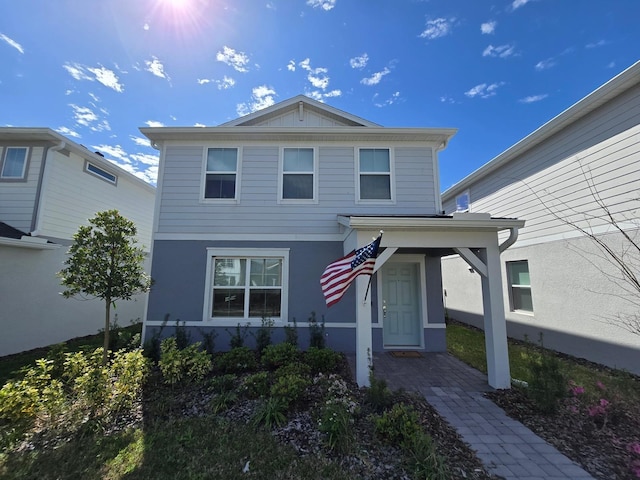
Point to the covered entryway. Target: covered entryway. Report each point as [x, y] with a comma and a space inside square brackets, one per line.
[473, 236]
[402, 309]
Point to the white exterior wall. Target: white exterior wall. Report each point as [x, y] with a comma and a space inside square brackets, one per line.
[181, 209]
[71, 196]
[33, 312]
[17, 198]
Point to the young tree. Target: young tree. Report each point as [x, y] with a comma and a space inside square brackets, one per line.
[105, 262]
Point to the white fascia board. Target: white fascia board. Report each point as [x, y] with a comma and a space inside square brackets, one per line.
[429, 223]
[29, 242]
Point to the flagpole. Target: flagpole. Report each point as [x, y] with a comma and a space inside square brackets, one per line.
[371, 276]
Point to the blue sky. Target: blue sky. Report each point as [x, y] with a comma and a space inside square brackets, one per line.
[97, 70]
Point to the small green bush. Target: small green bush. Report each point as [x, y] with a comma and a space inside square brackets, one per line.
[336, 422]
[239, 336]
[423, 459]
[275, 356]
[316, 332]
[378, 394]
[322, 360]
[263, 334]
[398, 425]
[257, 385]
[290, 388]
[547, 385]
[223, 383]
[190, 363]
[291, 333]
[237, 360]
[223, 401]
[295, 368]
[273, 412]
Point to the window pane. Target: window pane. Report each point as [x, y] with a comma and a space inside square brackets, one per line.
[14, 163]
[266, 272]
[462, 202]
[298, 160]
[519, 273]
[522, 299]
[374, 160]
[297, 186]
[222, 159]
[228, 302]
[220, 186]
[264, 303]
[375, 187]
[229, 272]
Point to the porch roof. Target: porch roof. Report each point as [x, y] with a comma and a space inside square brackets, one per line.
[456, 222]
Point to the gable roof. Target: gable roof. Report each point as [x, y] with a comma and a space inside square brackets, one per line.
[300, 102]
[611, 89]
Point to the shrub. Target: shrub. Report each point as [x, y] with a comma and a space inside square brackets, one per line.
[316, 332]
[223, 383]
[423, 459]
[87, 379]
[223, 401]
[263, 335]
[129, 370]
[275, 356]
[398, 425]
[322, 360]
[293, 368]
[257, 385]
[238, 359]
[335, 421]
[183, 337]
[291, 333]
[547, 385]
[208, 341]
[290, 388]
[238, 338]
[378, 394]
[273, 412]
[190, 363]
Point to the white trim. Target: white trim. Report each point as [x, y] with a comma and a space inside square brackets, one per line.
[392, 176]
[436, 180]
[316, 161]
[96, 174]
[212, 252]
[238, 173]
[25, 162]
[29, 242]
[253, 237]
[252, 323]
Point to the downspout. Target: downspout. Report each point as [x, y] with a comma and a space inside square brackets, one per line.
[513, 236]
[35, 224]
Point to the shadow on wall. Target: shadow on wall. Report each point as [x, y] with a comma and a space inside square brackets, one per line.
[606, 353]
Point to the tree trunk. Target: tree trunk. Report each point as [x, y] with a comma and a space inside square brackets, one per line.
[105, 353]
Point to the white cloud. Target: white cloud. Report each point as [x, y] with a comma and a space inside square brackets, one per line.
[291, 66]
[203, 81]
[325, 5]
[68, 132]
[146, 158]
[375, 78]
[488, 27]
[108, 78]
[483, 90]
[140, 141]
[156, 68]
[599, 43]
[261, 97]
[77, 71]
[321, 96]
[154, 123]
[237, 60]
[519, 3]
[533, 98]
[88, 118]
[11, 43]
[317, 76]
[437, 28]
[271, 6]
[112, 151]
[389, 101]
[545, 64]
[502, 51]
[225, 83]
[359, 62]
[145, 26]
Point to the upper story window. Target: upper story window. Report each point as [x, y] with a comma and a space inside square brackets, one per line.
[374, 172]
[100, 172]
[519, 286]
[14, 163]
[221, 173]
[298, 174]
[462, 202]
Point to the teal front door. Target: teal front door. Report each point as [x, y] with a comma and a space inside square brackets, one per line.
[402, 319]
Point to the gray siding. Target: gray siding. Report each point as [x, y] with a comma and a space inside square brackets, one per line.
[258, 211]
[17, 198]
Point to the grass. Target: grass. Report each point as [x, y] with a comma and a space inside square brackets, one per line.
[468, 345]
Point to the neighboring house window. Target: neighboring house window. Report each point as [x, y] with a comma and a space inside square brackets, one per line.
[462, 202]
[298, 174]
[519, 286]
[100, 172]
[14, 163]
[251, 286]
[374, 170]
[221, 174]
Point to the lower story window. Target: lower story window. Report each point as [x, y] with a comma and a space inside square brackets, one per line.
[250, 287]
[520, 286]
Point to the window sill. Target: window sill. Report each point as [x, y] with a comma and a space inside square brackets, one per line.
[219, 201]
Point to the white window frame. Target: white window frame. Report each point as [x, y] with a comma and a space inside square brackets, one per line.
[468, 195]
[245, 253]
[101, 173]
[391, 174]
[25, 164]
[512, 286]
[203, 185]
[281, 174]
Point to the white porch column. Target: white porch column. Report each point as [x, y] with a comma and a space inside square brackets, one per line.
[495, 324]
[364, 340]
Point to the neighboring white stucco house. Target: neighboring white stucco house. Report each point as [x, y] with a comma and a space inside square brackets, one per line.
[249, 213]
[555, 279]
[49, 186]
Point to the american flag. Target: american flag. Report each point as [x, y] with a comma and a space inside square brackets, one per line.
[338, 275]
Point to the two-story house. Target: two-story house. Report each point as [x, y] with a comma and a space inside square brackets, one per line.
[49, 186]
[249, 214]
[557, 280]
